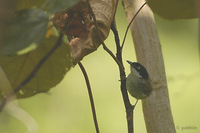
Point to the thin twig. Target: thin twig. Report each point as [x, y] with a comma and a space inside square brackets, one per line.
[34, 71]
[112, 55]
[102, 42]
[90, 96]
[131, 23]
[127, 104]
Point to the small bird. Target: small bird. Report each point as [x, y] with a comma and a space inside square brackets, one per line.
[137, 82]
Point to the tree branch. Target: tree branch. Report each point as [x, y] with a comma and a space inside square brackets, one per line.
[90, 96]
[34, 71]
[127, 104]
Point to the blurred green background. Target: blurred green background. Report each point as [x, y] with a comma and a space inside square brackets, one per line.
[66, 108]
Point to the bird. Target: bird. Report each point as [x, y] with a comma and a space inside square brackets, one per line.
[138, 82]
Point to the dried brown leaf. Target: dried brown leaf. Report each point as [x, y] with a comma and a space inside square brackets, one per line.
[78, 24]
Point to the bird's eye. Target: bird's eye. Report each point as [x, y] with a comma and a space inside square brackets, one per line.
[138, 67]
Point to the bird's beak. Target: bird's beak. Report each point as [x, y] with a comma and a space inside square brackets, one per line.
[129, 62]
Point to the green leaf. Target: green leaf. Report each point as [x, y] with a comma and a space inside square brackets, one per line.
[52, 6]
[24, 4]
[29, 26]
[17, 68]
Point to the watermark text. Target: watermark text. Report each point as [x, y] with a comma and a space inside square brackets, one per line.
[184, 128]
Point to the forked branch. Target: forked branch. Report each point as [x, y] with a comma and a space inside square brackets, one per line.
[127, 104]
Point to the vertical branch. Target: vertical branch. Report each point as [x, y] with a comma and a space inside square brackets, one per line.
[128, 106]
[90, 96]
[156, 108]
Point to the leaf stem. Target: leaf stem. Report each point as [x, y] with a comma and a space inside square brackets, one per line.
[90, 96]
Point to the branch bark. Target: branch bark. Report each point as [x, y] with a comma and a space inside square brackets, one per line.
[127, 104]
[156, 108]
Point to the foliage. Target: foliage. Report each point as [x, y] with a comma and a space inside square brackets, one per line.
[27, 27]
[27, 33]
[50, 74]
